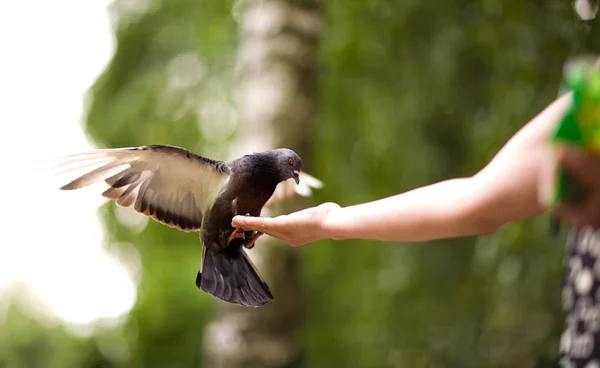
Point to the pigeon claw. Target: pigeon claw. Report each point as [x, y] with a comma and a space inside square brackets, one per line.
[250, 243]
[236, 234]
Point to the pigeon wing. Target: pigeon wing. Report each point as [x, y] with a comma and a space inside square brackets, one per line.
[170, 184]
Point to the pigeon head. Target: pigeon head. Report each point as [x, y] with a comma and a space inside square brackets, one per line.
[288, 164]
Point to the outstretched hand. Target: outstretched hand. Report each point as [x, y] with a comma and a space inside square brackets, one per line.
[296, 229]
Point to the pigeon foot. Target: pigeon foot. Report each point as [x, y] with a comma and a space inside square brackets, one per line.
[236, 234]
[250, 243]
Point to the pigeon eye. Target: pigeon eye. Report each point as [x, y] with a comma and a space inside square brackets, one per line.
[290, 161]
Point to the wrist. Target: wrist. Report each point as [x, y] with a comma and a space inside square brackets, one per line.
[332, 225]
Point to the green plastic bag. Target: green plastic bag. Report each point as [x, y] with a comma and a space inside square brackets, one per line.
[580, 126]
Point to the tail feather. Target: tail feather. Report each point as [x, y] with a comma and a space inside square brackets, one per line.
[232, 278]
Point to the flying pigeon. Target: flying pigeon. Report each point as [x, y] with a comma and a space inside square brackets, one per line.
[193, 193]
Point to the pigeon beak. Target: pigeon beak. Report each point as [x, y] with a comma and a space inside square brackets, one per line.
[296, 176]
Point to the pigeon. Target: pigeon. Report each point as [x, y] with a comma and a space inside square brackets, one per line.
[192, 193]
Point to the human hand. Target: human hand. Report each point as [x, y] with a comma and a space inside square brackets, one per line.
[296, 229]
[585, 168]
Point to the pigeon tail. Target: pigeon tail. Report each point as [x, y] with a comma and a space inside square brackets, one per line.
[232, 278]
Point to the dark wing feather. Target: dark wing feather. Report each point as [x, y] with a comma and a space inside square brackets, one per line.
[170, 184]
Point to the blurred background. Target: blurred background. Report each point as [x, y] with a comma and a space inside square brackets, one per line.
[377, 96]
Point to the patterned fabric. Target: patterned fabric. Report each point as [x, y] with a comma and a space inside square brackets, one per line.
[580, 341]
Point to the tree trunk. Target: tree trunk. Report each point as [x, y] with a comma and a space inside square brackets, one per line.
[277, 62]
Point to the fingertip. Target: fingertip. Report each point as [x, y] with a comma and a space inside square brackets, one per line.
[238, 221]
[249, 223]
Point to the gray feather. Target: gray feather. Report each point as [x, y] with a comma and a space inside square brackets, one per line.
[170, 184]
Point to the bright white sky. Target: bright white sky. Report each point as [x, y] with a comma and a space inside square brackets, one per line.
[51, 52]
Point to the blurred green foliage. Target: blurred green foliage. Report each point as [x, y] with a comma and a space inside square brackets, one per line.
[169, 65]
[410, 93]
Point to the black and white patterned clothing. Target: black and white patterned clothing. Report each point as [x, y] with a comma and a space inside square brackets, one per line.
[580, 341]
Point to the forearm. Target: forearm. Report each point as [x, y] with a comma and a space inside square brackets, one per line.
[506, 190]
[432, 212]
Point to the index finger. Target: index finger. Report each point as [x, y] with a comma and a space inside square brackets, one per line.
[261, 224]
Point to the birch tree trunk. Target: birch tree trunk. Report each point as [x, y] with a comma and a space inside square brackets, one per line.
[277, 62]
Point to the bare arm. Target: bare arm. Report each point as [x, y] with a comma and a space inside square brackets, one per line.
[506, 190]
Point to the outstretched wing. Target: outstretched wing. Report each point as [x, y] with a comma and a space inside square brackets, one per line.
[288, 188]
[170, 184]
